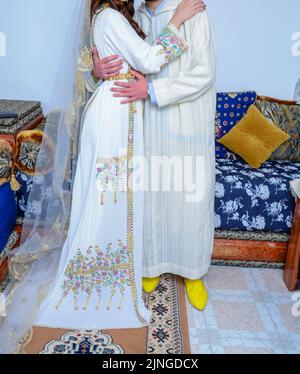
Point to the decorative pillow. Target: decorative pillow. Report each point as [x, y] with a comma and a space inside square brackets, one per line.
[231, 108]
[8, 211]
[22, 194]
[6, 161]
[254, 138]
[286, 116]
[28, 145]
[35, 205]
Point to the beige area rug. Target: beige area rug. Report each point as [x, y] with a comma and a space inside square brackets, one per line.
[167, 334]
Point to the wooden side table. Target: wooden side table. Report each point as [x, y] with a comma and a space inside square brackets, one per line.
[292, 267]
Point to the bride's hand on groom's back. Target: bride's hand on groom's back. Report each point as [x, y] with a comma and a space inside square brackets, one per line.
[107, 67]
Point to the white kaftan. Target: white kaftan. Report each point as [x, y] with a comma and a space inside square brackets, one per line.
[98, 284]
[179, 225]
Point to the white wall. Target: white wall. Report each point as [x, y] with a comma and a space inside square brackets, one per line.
[253, 38]
[35, 32]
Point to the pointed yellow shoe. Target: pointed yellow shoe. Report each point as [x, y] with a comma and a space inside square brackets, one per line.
[197, 293]
[150, 284]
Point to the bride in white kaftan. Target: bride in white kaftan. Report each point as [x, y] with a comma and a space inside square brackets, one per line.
[98, 283]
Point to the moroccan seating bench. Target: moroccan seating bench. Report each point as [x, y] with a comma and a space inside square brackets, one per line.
[257, 218]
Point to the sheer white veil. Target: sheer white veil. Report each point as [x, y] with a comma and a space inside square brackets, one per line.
[34, 263]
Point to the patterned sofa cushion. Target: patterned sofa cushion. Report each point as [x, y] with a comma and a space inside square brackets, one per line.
[8, 213]
[26, 111]
[231, 108]
[36, 206]
[6, 160]
[28, 152]
[254, 138]
[27, 155]
[287, 118]
[251, 200]
[22, 194]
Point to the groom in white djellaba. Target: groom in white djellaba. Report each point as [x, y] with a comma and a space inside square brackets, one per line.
[179, 119]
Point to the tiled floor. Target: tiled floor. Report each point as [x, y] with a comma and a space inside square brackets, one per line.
[249, 311]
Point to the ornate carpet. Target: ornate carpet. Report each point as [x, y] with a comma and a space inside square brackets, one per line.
[167, 333]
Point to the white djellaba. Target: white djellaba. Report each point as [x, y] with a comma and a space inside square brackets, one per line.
[180, 130]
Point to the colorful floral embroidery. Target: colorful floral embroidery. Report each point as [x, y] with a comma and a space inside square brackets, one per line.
[111, 173]
[173, 43]
[94, 270]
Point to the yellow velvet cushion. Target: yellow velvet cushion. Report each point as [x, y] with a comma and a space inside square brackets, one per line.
[254, 138]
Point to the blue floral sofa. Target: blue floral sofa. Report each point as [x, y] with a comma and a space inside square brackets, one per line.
[255, 200]
[254, 208]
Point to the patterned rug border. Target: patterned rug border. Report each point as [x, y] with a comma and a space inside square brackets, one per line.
[167, 334]
[180, 328]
